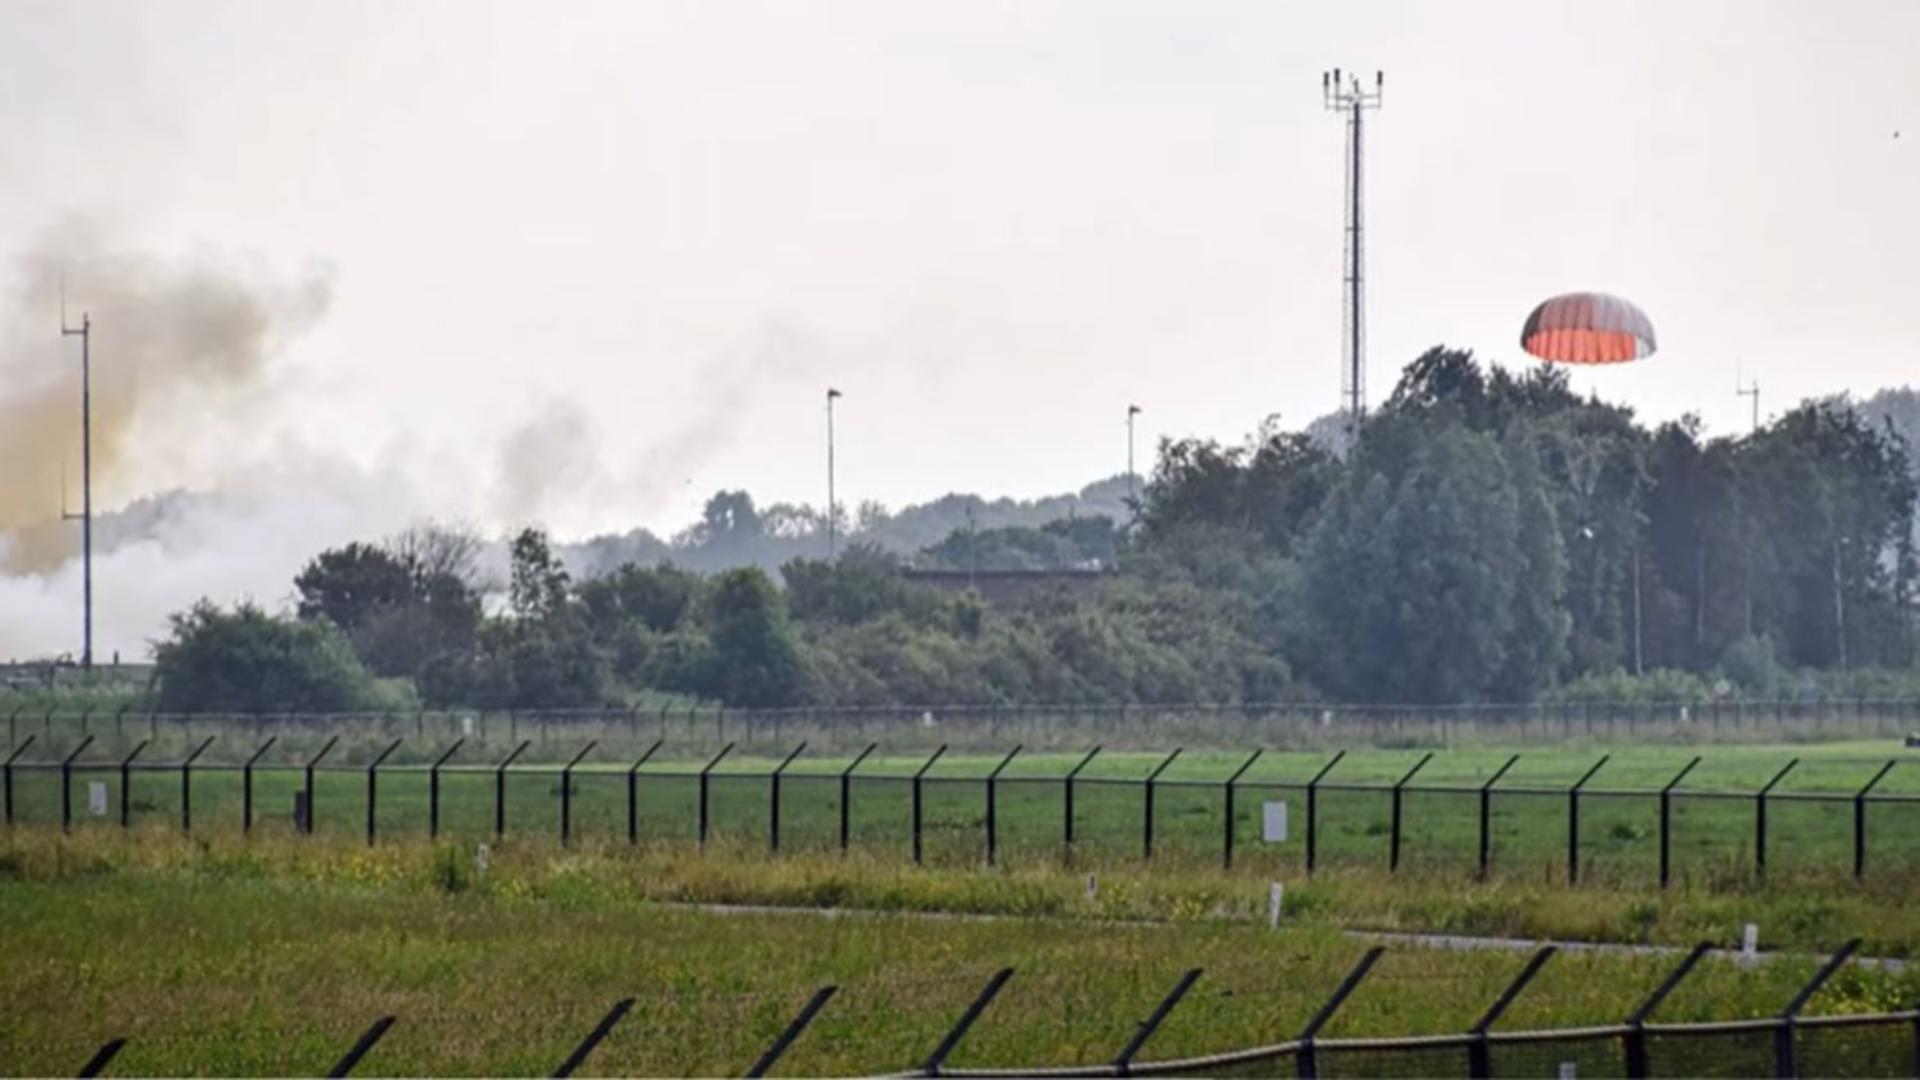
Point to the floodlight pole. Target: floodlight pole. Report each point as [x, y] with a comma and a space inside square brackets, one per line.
[85, 333]
[832, 505]
[1346, 94]
[1132, 482]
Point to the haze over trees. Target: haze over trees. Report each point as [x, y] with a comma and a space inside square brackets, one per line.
[1490, 537]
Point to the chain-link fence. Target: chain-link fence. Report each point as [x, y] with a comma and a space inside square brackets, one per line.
[466, 774]
[1786, 1043]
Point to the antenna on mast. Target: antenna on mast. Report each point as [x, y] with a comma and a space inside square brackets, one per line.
[1345, 93]
[1741, 389]
[85, 333]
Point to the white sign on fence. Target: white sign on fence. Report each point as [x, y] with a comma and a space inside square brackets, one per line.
[466, 725]
[1568, 1070]
[1273, 822]
[97, 799]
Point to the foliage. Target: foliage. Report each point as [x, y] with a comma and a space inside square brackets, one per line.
[406, 605]
[757, 657]
[1488, 535]
[248, 661]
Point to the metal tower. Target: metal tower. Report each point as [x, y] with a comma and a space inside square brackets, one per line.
[1346, 94]
[85, 333]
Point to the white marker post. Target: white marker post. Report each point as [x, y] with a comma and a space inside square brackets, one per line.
[1276, 895]
[1750, 943]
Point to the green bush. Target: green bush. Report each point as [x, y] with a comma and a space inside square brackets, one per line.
[248, 661]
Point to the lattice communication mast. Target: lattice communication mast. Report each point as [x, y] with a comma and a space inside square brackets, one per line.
[1348, 95]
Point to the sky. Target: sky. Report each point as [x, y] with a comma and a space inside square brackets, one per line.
[584, 264]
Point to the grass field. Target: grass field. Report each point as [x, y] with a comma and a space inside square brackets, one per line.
[217, 951]
[214, 955]
[1713, 830]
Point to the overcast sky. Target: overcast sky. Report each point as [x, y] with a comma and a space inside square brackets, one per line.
[590, 262]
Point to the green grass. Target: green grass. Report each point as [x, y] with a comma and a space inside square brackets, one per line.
[216, 955]
[1619, 836]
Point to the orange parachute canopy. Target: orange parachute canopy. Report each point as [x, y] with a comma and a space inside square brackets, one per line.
[1588, 328]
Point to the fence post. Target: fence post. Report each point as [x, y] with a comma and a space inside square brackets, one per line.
[126, 781]
[566, 793]
[1486, 815]
[959, 1031]
[633, 793]
[6, 771]
[186, 784]
[1666, 821]
[846, 795]
[97, 1064]
[1479, 1056]
[1760, 819]
[1638, 1067]
[373, 788]
[1066, 812]
[704, 814]
[313, 763]
[773, 803]
[66, 784]
[1916, 1039]
[500, 788]
[246, 784]
[918, 774]
[797, 1025]
[1573, 819]
[1860, 821]
[1124, 1063]
[1785, 1058]
[1226, 842]
[433, 788]
[1393, 839]
[1307, 1060]
[361, 1046]
[594, 1038]
[993, 825]
[1313, 810]
[1146, 816]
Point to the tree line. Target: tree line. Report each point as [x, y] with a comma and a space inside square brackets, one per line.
[1488, 536]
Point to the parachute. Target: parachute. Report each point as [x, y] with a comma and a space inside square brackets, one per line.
[1588, 328]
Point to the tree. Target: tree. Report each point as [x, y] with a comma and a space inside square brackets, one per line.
[400, 604]
[756, 655]
[538, 588]
[660, 598]
[1414, 577]
[248, 661]
[348, 585]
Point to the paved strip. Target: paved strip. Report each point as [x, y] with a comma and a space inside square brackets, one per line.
[1424, 941]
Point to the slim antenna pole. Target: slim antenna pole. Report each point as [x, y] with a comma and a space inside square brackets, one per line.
[1349, 96]
[1752, 390]
[832, 506]
[1132, 491]
[85, 333]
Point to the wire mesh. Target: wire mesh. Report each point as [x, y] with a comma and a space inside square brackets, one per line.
[1857, 1050]
[1744, 1052]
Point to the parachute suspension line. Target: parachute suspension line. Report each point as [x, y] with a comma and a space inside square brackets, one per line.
[1353, 98]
